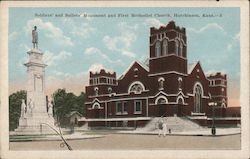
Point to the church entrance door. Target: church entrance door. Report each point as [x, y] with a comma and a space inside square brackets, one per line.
[162, 110]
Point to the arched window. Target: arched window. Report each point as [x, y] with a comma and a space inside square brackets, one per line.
[161, 83]
[176, 47]
[96, 105]
[197, 99]
[180, 82]
[161, 100]
[157, 49]
[96, 91]
[109, 90]
[180, 50]
[136, 87]
[165, 47]
[180, 100]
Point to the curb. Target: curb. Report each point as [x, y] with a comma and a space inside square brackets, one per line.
[180, 134]
[52, 139]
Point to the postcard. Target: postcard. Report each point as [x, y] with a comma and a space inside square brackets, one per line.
[141, 79]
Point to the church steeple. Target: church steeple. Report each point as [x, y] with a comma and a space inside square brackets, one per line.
[168, 49]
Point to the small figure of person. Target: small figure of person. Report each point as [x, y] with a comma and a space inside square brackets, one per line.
[35, 37]
[50, 109]
[160, 127]
[23, 108]
[30, 106]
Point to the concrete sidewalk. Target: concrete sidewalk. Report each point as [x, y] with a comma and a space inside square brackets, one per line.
[75, 136]
[199, 132]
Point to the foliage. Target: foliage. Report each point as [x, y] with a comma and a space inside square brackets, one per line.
[15, 101]
[64, 103]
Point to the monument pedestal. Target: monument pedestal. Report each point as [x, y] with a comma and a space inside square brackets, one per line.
[35, 117]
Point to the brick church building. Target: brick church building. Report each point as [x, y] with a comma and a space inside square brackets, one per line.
[166, 86]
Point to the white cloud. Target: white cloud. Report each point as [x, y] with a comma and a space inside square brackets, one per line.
[96, 51]
[51, 31]
[234, 41]
[25, 47]
[97, 68]
[123, 42]
[84, 30]
[13, 35]
[152, 22]
[207, 27]
[52, 59]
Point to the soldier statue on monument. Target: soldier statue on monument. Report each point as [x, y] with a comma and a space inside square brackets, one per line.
[35, 38]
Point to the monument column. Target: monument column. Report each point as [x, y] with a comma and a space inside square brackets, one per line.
[36, 111]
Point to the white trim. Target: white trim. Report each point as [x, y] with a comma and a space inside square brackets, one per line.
[211, 78]
[168, 72]
[158, 94]
[180, 97]
[136, 82]
[120, 99]
[225, 118]
[108, 95]
[192, 95]
[169, 103]
[223, 105]
[165, 37]
[95, 109]
[116, 119]
[198, 114]
[167, 55]
[102, 77]
[161, 78]
[198, 117]
[168, 95]
[159, 97]
[198, 84]
[101, 84]
[94, 105]
[180, 79]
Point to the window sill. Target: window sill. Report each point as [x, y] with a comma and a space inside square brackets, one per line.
[198, 114]
[121, 113]
[137, 112]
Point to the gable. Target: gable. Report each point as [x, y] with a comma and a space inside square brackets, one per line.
[133, 66]
[197, 71]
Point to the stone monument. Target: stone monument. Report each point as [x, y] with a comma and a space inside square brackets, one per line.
[34, 113]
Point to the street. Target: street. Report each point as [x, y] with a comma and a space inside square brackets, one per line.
[133, 142]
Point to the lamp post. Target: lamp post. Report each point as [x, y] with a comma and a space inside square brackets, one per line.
[213, 130]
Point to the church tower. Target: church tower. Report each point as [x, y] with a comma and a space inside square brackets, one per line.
[168, 49]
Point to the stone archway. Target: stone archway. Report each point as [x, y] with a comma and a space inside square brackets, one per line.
[161, 102]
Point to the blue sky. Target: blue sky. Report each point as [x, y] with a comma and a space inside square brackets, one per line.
[74, 45]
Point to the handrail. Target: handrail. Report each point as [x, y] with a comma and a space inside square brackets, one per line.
[60, 134]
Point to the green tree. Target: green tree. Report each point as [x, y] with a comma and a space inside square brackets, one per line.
[15, 101]
[64, 103]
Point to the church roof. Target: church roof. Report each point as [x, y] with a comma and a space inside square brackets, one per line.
[125, 72]
[191, 66]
